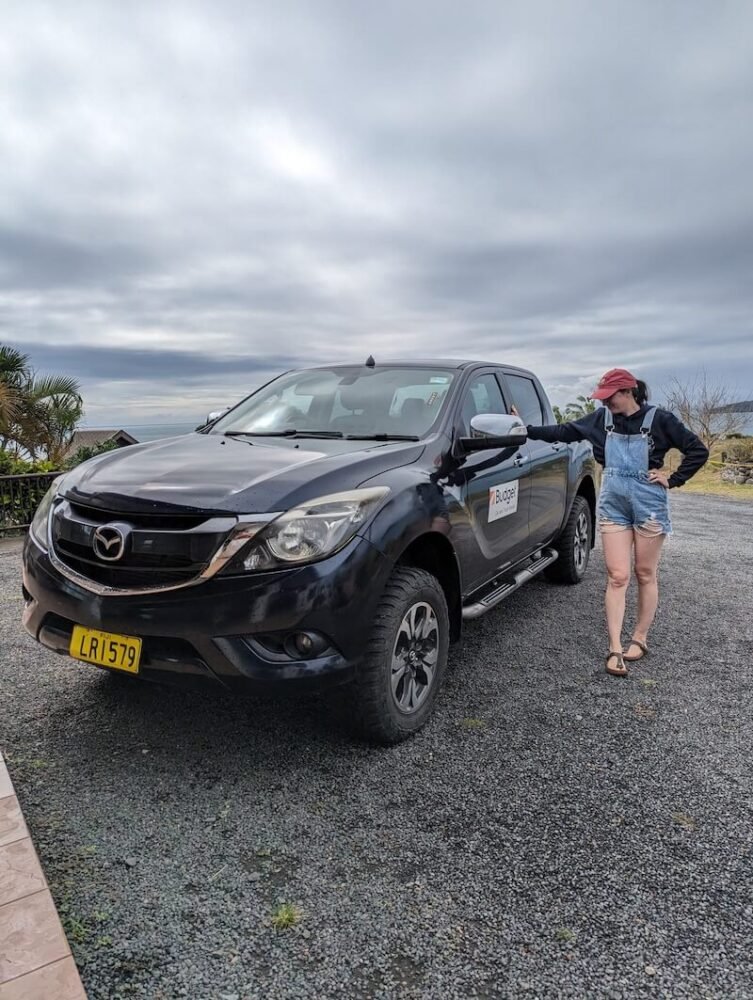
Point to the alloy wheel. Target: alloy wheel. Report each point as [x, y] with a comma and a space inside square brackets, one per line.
[414, 658]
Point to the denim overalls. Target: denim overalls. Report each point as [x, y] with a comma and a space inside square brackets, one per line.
[627, 496]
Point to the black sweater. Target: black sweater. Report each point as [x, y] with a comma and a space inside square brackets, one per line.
[666, 432]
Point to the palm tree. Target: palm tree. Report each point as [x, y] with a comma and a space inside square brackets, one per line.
[14, 373]
[38, 414]
[578, 409]
[53, 407]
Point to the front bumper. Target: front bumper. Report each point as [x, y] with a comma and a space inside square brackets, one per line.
[216, 631]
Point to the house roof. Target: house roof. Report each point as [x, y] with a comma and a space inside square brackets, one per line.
[92, 438]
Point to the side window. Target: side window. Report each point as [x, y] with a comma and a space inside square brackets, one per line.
[526, 399]
[483, 395]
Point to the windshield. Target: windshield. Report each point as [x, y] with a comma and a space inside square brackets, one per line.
[357, 402]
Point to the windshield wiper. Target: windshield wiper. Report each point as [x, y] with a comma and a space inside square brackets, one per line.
[288, 432]
[382, 437]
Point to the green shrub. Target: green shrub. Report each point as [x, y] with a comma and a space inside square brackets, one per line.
[89, 451]
[739, 450]
[12, 466]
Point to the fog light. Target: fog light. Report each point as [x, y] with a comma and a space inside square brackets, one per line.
[304, 645]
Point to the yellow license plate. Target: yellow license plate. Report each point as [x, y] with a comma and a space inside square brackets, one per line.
[106, 649]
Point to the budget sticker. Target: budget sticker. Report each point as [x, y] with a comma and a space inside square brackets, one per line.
[503, 500]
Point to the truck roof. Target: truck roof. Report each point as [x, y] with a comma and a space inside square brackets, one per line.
[456, 363]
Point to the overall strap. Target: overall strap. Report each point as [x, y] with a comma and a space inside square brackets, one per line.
[648, 420]
[608, 420]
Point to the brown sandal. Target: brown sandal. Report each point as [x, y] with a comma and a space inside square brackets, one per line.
[620, 670]
[643, 651]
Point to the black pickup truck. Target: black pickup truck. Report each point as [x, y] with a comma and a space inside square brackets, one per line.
[337, 525]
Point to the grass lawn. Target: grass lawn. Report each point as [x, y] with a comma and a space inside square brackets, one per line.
[708, 480]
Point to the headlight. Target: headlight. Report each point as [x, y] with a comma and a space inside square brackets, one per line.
[38, 528]
[313, 531]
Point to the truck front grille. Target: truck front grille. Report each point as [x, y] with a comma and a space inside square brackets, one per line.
[157, 550]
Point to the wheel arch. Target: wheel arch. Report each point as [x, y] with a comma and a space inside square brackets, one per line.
[587, 490]
[433, 552]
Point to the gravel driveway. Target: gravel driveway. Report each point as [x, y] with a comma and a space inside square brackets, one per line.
[552, 833]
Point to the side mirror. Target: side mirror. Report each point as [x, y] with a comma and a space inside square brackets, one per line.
[494, 430]
[211, 417]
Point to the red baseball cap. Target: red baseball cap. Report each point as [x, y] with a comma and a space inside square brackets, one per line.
[612, 381]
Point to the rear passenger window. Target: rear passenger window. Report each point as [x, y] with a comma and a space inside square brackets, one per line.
[526, 399]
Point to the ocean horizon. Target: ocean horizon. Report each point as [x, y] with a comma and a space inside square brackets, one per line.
[148, 432]
[155, 431]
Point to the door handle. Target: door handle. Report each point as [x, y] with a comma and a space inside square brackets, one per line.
[557, 446]
[520, 460]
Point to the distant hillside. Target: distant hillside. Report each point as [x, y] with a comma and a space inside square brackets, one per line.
[746, 407]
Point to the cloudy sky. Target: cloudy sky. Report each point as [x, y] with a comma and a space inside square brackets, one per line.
[196, 195]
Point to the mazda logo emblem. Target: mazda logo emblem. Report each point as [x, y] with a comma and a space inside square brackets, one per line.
[109, 541]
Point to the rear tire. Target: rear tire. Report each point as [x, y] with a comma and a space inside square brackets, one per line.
[574, 545]
[402, 670]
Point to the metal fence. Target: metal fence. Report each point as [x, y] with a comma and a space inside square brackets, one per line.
[20, 497]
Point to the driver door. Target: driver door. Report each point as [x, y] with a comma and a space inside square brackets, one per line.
[549, 463]
[493, 487]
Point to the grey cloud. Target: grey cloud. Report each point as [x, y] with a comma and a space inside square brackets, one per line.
[243, 187]
[40, 261]
[169, 367]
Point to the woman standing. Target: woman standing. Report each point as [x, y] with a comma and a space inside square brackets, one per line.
[630, 439]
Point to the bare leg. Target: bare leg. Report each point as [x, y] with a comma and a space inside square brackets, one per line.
[648, 549]
[618, 549]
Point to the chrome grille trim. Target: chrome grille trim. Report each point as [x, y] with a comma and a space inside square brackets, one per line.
[248, 526]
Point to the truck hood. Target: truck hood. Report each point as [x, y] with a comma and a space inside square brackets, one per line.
[211, 473]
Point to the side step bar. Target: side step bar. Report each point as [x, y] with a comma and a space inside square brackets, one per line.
[547, 557]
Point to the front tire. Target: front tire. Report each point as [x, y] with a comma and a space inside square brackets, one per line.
[405, 661]
[574, 545]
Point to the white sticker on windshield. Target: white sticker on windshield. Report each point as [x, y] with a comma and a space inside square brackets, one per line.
[439, 379]
[503, 500]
